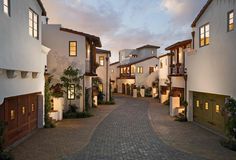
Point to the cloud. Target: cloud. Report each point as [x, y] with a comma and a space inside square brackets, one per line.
[182, 11]
[83, 17]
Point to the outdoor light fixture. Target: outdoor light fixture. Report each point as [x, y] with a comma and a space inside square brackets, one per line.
[24, 74]
[11, 74]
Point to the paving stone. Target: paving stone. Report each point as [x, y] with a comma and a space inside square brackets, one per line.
[126, 134]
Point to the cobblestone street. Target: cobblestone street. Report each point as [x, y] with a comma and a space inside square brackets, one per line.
[126, 134]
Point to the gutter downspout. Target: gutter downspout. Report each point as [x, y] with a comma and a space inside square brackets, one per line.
[107, 60]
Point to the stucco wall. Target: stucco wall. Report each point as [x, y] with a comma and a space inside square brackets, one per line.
[211, 68]
[59, 59]
[140, 79]
[20, 51]
[114, 74]
[124, 81]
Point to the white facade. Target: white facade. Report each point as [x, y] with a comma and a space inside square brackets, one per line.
[59, 58]
[20, 51]
[114, 73]
[211, 69]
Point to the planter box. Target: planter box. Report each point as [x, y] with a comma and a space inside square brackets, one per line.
[55, 115]
[135, 93]
[174, 105]
[58, 105]
[142, 92]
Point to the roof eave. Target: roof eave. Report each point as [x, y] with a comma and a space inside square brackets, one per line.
[201, 13]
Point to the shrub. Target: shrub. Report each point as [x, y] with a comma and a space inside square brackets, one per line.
[230, 110]
[167, 103]
[56, 90]
[76, 115]
[148, 92]
[100, 98]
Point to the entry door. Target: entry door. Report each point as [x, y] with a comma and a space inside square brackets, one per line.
[123, 88]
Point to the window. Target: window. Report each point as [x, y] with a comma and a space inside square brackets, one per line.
[88, 51]
[197, 103]
[206, 105]
[73, 48]
[100, 87]
[6, 7]
[204, 35]
[12, 116]
[112, 71]
[132, 70]
[217, 108]
[121, 70]
[71, 92]
[151, 70]
[101, 60]
[140, 70]
[230, 21]
[33, 24]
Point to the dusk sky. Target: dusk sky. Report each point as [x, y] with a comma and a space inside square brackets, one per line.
[127, 24]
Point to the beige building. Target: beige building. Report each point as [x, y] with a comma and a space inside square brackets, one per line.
[134, 68]
[113, 69]
[103, 73]
[71, 48]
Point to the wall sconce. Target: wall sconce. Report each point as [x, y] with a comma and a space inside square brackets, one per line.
[11, 74]
[24, 74]
[34, 75]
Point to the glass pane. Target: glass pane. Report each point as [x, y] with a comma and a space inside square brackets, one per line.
[30, 15]
[35, 33]
[207, 27]
[231, 21]
[231, 27]
[207, 34]
[231, 15]
[31, 23]
[5, 2]
[30, 31]
[6, 10]
[207, 41]
[202, 42]
[202, 30]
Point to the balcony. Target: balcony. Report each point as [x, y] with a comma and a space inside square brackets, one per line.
[177, 70]
[126, 76]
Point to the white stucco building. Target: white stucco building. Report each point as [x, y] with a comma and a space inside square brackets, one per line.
[103, 73]
[211, 65]
[135, 66]
[71, 48]
[114, 73]
[22, 64]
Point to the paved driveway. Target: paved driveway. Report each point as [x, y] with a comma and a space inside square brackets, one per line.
[126, 134]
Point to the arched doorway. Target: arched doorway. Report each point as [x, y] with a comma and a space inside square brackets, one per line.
[123, 88]
[128, 89]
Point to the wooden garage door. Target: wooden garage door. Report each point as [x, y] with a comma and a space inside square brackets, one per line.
[207, 110]
[20, 115]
